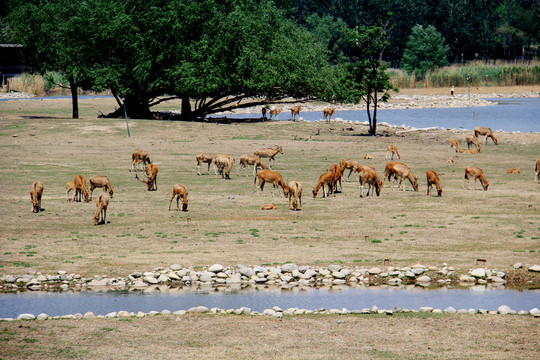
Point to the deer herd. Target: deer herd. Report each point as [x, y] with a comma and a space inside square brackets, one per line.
[330, 181]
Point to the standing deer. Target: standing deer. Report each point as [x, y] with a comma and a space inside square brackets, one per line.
[478, 174]
[180, 192]
[295, 194]
[36, 191]
[295, 112]
[433, 179]
[328, 112]
[100, 181]
[269, 153]
[275, 113]
[101, 204]
[392, 150]
[487, 132]
[389, 172]
[404, 172]
[472, 140]
[325, 179]
[269, 176]
[454, 144]
[139, 156]
[224, 164]
[248, 159]
[537, 171]
[151, 174]
[205, 158]
[80, 188]
[368, 175]
[338, 171]
[349, 164]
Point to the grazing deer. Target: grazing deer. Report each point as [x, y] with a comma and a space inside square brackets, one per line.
[404, 172]
[80, 188]
[248, 159]
[338, 171]
[389, 172]
[537, 171]
[100, 181]
[206, 158]
[224, 164]
[180, 192]
[487, 132]
[269, 206]
[151, 174]
[392, 150]
[368, 175]
[36, 191]
[295, 112]
[269, 176]
[349, 164]
[269, 153]
[325, 179]
[328, 112]
[513, 171]
[478, 174]
[454, 144]
[295, 194]
[101, 204]
[275, 113]
[70, 185]
[433, 179]
[472, 140]
[139, 156]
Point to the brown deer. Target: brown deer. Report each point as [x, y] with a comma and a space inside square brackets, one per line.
[469, 151]
[368, 175]
[349, 164]
[389, 172]
[100, 181]
[328, 113]
[295, 195]
[487, 132]
[180, 192]
[338, 171]
[275, 113]
[80, 188]
[392, 150]
[269, 153]
[325, 179]
[224, 164]
[368, 157]
[139, 156]
[205, 158]
[269, 206]
[513, 171]
[248, 159]
[269, 176]
[478, 174]
[454, 145]
[472, 140]
[70, 185]
[404, 172]
[101, 204]
[433, 179]
[151, 174]
[537, 171]
[36, 191]
[295, 112]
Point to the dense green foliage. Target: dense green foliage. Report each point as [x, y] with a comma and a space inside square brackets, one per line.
[425, 50]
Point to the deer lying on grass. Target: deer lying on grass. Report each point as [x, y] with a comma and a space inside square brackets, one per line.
[248, 159]
[513, 171]
[433, 179]
[275, 113]
[471, 140]
[224, 164]
[404, 172]
[269, 176]
[368, 175]
[478, 174]
[452, 160]
[392, 150]
[70, 185]
[36, 190]
[207, 158]
[180, 192]
[100, 181]
[469, 151]
[487, 132]
[269, 153]
[328, 112]
[454, 144]
[295, 112]
[151, 174]
[349, 164]
[139, 156]
[338, 171]
[295, 195]
[537, 171]
[101, 204]
[368, 157]
[325, 179]
[80, 188]
[269, 206]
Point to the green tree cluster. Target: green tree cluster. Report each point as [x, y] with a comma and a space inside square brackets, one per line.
[424, 51]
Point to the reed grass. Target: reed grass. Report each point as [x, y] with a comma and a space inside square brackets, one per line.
[491, 73]
[27, 83]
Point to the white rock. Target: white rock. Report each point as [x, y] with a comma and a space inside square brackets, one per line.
[198, 309]
[450, 310]
[289, 267]
[374, 271]
[479, 273]
[535, 268]
[150, 279]
[42, 316]
[26, 317]
[503, 310]
[423, 278]
[518, 265]
[176, 267]
[334, 267]
[216, 268]
[425, 309]
[89, 315]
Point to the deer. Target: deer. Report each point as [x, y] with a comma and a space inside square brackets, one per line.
[349, 164]
[80, 188]
[328, 112]
[487, 132]
[478, 174]
[100, 181]
[513, 171]
[206, 158]
[275, 113]
[389, 172]
[263, 111]
[392, 150]
[472, 140]
[101, 204]
[269, 206]
[368, 157]
[453, 160]
[433, 179]
[180, 192]
[151, 174]
[269, 153]
[295, 195]
[338, 171]
[224, 164]
[537, 171]
[139, 156]
[295, 112]
[454, 144]
[269, 176]
[404, 172]
[36, 191]
[248, 159]
[469, 151]
[70, 185]
[368, 175]
[325, 179]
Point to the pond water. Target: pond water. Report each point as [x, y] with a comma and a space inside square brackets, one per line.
[351, 298]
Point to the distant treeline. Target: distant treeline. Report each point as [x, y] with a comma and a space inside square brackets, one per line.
[473, 29]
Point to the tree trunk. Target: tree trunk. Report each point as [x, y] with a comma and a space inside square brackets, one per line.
[187, 113]
[368, 101]
[74, 98]
[374, 114]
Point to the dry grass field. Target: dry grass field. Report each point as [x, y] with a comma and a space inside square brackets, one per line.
[39, 141]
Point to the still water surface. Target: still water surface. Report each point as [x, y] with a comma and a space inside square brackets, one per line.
[357, 298]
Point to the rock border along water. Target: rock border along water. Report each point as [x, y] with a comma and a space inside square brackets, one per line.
[286, 275]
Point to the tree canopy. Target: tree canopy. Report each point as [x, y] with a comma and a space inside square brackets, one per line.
[425, 50]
